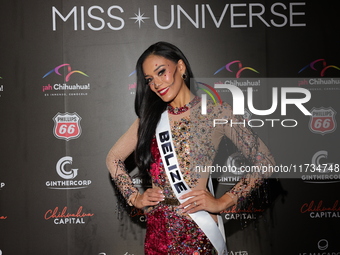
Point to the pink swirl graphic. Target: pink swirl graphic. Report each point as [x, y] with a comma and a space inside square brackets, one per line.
[69, 70]
[240, 68]
[324, 66]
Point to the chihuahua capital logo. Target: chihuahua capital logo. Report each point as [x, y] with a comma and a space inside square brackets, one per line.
[69, 72]
[239, 70]
[319, 65]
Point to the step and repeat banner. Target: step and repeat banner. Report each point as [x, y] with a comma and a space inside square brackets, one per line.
[67, 88]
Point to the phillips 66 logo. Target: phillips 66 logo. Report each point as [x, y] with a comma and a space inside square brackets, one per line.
[67, 126]
[322, 120]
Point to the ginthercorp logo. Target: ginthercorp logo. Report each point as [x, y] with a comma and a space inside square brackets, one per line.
[62, 172]
[322, 120]
[65, 88]
[65, 170]
[320, 170]
[116, 17]
[67, 126]
[231, 169]
[239, 68]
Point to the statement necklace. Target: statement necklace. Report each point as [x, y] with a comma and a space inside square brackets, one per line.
[179, 110]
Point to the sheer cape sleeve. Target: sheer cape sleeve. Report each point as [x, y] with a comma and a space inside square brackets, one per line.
[251, 147]
[115, 162]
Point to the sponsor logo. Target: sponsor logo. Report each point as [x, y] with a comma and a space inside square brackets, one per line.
[64, 170]
[1, 86]
[322, 170]
[319, 210]
[137, 214]
[238, 71]
[249, 213]
[322, 120]
[132, 88]
[234, 162]
[65, 88]
[56, 70]
[67, 126]
[64, 216]
[237, 253]
[316, 82]
[116, 17]
[319, 66]
[61, 168]
[323, 246]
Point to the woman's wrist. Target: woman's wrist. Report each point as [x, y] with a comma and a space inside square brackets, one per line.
[133, 199]
[226, 201]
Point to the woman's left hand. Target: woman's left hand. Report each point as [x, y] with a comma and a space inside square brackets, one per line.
[203, 200]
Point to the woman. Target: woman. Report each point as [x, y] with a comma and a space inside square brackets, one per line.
[163, 80]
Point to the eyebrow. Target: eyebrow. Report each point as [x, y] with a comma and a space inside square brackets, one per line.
[155, 70]
[158, 68]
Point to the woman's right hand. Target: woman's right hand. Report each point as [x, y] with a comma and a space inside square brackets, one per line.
[150, 197]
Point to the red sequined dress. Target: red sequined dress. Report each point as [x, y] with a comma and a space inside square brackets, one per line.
[169, 231]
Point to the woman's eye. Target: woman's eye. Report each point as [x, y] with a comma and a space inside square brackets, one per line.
[161, 72]
[147, 81]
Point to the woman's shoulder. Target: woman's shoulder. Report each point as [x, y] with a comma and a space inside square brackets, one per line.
[219, 108]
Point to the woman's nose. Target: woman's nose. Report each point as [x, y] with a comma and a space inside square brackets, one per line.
[157, 82]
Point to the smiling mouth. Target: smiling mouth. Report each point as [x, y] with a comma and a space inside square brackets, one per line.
[162, 92]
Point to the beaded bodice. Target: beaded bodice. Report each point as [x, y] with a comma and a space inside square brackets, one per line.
[196, 141]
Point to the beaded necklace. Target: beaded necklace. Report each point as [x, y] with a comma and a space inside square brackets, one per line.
[179, 110]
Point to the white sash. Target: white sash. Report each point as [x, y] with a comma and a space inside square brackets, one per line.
[180, 187]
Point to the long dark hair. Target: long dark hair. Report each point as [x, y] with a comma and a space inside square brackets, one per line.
[148, 105]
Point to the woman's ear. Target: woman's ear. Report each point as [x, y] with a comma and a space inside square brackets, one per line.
[181, 66]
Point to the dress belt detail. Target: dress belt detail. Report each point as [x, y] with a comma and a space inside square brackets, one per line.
[170, 201]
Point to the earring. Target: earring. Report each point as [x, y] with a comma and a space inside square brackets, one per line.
[184, 76]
